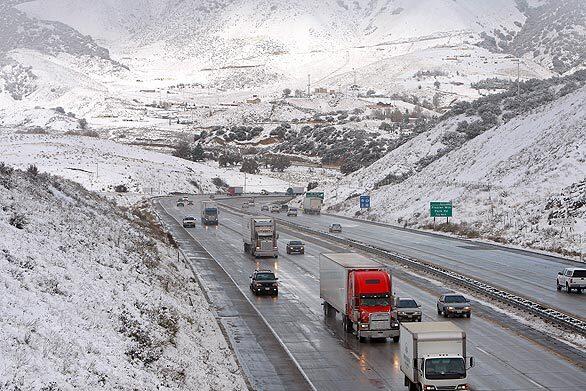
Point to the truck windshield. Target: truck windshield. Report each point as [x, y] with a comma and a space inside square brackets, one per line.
[407, 303]
[211, 211]
[445, 368]
[265, 276]
[374, 301]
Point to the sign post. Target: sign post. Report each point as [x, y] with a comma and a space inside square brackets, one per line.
[441, 209]
[365, 202]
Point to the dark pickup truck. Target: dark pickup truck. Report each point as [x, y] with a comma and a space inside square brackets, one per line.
[264, 282]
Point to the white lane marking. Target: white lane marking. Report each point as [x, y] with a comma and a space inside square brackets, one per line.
[483, 351]
[526, 377]
[355, 355]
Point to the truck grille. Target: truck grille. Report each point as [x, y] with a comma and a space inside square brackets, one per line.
[266, 246]
[380, 321]
[445, 388]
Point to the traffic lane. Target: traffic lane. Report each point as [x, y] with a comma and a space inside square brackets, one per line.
[299, 283]
[260, 355]
[328, 363]
[523, 274]
[508, 360]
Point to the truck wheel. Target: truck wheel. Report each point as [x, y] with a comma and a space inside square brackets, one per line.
[558, 286]
[438, 311]
[348, 324]
[579, 290]
[396, 339]
[568, 288]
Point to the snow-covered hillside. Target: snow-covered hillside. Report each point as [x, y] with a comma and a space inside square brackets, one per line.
[508, 183]
[93, 297]
[101, 165]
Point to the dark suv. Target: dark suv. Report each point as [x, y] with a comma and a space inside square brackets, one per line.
[452, 304]
[295, 246]
[264, 281]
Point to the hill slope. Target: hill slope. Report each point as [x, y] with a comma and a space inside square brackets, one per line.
[508, 183]
[94, 298]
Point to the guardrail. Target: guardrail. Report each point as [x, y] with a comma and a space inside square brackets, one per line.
[521, 303]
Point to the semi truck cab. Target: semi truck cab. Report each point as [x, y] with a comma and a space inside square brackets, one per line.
[370, 302]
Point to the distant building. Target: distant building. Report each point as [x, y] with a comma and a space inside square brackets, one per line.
[254, 100]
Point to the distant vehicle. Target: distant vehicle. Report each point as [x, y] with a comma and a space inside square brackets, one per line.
[245, 205]
[209, 213]
[433, 356]
[264, 192]
[260, 237]
[264, 281]
[295, 191]
[335, 228]
[360, 289]
[275, 208]
[235, 191]
[284, 208]
[185, 198]
[189, 222]
[571, 278]
[180, 203]
[189, 202]
[251, 201]
[295, 246]
[453, 304]
[312, 205]
[407, 310]
[292, 212]
[264, 208]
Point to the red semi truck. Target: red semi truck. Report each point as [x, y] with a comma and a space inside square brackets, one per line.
[360, 289]
[235, 191]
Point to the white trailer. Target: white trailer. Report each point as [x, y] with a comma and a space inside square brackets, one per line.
[312, 205]
[433, 356]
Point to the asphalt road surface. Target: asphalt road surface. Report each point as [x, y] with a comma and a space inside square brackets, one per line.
[526, 274]
[333, 359]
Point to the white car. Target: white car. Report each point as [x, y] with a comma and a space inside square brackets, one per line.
[292, 212]
[335, 228]
[571, 278]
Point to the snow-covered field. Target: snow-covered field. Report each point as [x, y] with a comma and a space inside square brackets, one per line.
[93, 297]
[100, 165]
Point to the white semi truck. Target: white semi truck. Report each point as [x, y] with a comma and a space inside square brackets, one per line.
[260, 236]
[312, 205]
[433, 356]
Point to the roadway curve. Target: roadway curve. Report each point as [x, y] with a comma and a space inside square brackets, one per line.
[333, 359]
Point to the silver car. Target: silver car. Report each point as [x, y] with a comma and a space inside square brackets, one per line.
[453, 304]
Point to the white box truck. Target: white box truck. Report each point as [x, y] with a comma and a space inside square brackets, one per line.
[260, 236]
[433, 356]
[312, 205]
[360, 289]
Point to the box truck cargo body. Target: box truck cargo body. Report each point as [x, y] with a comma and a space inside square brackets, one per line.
[235, 190]
[433, 356]
[360, 289]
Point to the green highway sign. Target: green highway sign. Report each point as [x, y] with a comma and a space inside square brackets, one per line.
[315, 195]
[440, 209]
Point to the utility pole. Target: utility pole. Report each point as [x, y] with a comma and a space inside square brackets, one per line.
[245, 183]
[518, 79]
[308, 86]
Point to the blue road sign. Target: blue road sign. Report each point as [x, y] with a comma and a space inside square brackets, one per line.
[364, 202]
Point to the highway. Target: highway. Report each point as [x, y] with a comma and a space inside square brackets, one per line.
[334, 360]
[526, 274]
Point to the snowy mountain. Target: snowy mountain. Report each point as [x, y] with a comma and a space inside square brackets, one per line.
[506, 179]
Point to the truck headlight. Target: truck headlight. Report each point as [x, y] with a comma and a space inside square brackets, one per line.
[394, 324]
[364, 325]
[401, 313]
[429, 388]
[450, 308]
[462, 387]
[466, 308]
